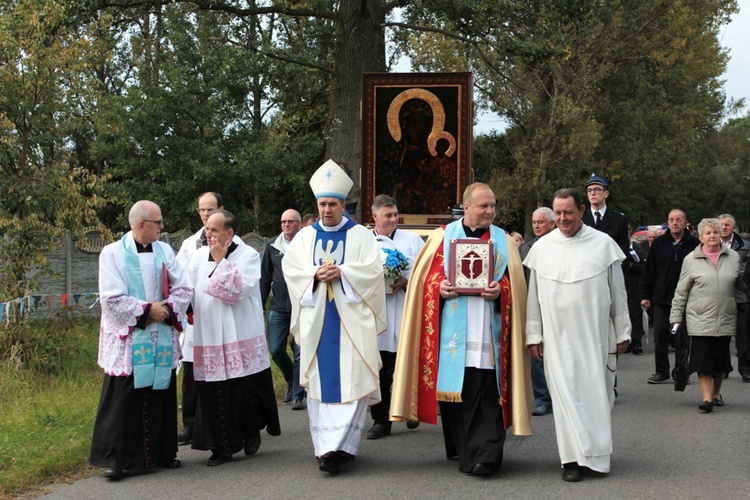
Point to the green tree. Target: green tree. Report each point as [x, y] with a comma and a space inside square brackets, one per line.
[352, 38]
[621, 88]
[43, 75]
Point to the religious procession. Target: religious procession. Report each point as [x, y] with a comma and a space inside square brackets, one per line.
[471, 326]
[344, 248]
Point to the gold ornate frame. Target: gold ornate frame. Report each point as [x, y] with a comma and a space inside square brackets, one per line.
[448, 103]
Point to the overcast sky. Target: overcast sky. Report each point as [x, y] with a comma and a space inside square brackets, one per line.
[736, 37]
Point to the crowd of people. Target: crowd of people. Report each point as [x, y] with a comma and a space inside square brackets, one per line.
[474, 326]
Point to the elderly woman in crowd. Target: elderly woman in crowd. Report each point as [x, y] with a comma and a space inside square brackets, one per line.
[705, 294]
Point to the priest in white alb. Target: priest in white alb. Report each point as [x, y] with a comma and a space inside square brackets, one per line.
[232, 367]
[334, 274]
[577, 322]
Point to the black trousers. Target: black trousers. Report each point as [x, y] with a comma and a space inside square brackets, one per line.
[135, 428]
[380, 411]
[473, 429]
[742, 339]
[189, 395]
[663, 338]
[636, 318]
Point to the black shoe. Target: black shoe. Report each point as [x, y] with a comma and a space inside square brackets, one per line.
[571, 472]
[658, 378]
[412, 424]
[298, 404]
[185, 436]
[541, 410]
[718, 401]
[746, 377]
[252, 445]
[629, 349]
[483, 469]
[706, 406]
[170, 463]
[378, 431]
[218, 459]
[637, 350]
[288, 395]
[328, 464]
[112, 473]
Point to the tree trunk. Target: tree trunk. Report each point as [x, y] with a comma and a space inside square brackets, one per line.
[360, 48]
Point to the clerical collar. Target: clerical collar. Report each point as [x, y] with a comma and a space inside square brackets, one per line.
[231, 249]
[143, 248]
[384, 235]
[474, 233]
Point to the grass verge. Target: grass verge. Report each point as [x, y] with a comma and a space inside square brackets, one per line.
[49, 392]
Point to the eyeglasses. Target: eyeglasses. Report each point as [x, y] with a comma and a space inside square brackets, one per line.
[595, 190]
[207, 210]
[159, 222]
[289, 221]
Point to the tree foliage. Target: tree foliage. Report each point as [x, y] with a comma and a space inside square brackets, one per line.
[628, 90]
[171, 98]
[45, 193]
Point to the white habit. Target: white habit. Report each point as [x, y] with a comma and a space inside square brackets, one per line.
[577, 307]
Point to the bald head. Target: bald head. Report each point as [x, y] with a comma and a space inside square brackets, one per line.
[291, 223]
[677, 223]
[145, 221]
[141, 210]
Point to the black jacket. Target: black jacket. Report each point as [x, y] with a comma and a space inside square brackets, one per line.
[272, 280]
[615, 224]
[663, 265]
[741, 246]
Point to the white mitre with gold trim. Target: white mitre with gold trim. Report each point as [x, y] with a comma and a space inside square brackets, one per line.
[330, 180]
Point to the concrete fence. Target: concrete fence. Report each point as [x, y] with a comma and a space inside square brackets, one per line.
[76, 274]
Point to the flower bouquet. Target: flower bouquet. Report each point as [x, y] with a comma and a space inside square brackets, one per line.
[394, 262]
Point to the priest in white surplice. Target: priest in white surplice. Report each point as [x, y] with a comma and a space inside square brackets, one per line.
[334, 274]
[389, 237]
[232, 367]
[144, 295]
[577, 322]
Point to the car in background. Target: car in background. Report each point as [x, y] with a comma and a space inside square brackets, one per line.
[641, 232]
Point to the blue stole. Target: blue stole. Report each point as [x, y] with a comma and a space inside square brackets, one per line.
[454, 317]
[148, 370]
[329, 247]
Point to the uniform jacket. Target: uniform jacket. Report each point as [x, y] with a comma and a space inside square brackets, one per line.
[706, 294]
[662, 268]
[615, 224]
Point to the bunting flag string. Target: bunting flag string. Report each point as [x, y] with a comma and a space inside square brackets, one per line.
[31, 303]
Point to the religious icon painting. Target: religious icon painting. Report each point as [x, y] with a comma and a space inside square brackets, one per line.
[416, 142]
[471, 267]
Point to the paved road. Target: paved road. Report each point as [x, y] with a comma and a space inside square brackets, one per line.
[663, 447]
